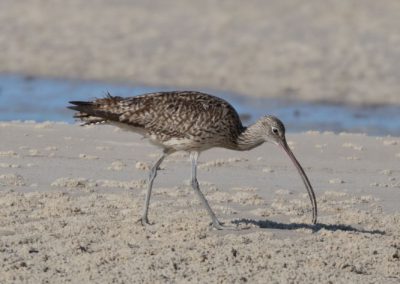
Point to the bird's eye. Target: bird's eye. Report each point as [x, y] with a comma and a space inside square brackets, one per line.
[275, 130]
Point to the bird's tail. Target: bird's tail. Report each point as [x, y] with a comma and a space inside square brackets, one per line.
[97, 111]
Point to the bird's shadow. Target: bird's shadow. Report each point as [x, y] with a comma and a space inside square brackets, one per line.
[267, 224]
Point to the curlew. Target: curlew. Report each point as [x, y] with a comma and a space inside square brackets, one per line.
[187, 121]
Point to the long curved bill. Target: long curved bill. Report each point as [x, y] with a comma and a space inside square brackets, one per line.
[304, 177]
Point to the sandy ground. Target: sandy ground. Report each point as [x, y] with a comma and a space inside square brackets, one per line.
[70, 197]
[337, 51]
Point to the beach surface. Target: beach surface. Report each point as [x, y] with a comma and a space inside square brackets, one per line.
[70, 198]
[330, 51]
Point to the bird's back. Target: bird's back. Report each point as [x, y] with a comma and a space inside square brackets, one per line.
[182, 120]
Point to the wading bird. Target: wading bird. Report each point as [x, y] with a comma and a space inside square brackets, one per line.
[187, 121]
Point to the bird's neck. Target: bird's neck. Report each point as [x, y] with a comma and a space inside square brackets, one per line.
[249, 138]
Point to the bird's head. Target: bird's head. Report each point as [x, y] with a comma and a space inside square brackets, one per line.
[273, 129]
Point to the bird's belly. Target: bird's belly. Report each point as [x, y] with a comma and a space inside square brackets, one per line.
[182, 144]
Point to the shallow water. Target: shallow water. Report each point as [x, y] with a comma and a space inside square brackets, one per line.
[39, 99]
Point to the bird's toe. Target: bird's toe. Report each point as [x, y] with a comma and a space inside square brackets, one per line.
[222, 226]
[144, 221]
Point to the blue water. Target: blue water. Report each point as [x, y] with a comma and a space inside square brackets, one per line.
[40, 99]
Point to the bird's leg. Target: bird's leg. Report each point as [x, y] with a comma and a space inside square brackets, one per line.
[152, 175]
[195, 185]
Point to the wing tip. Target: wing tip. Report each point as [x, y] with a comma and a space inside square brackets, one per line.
[80, 103]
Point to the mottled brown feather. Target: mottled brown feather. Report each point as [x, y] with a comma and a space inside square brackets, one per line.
[195, 116]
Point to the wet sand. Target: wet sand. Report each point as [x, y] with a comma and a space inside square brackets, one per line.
[335, 51]
[70, 197]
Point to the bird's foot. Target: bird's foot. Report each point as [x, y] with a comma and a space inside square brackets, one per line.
[220, 226]
[144, 221]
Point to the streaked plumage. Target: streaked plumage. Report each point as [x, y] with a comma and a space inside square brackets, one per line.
[202, 120]
[188, 121]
